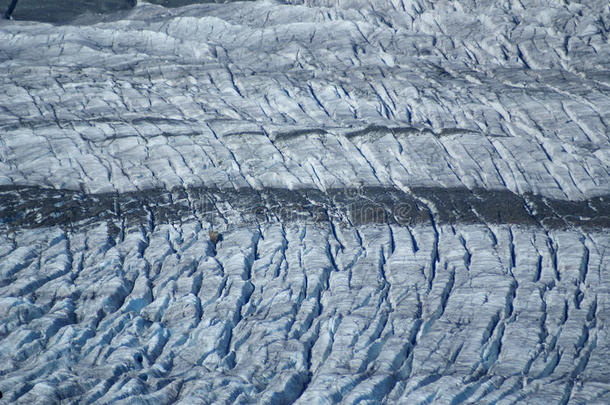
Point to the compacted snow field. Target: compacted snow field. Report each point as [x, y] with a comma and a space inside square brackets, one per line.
[319, 201]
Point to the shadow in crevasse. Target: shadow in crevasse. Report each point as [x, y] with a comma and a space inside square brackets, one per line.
[65, 11]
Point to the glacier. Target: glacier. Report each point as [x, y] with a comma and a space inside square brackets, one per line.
[413, 199]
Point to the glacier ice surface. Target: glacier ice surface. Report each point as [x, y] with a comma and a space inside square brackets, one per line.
[413, 198]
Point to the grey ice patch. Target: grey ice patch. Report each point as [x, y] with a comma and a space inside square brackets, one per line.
[86, 11]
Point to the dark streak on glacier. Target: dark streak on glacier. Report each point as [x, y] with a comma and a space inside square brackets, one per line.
[34, 207]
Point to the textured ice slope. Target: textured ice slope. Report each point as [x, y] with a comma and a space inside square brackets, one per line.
[294, 311]
[413, 197]
[375, 93]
